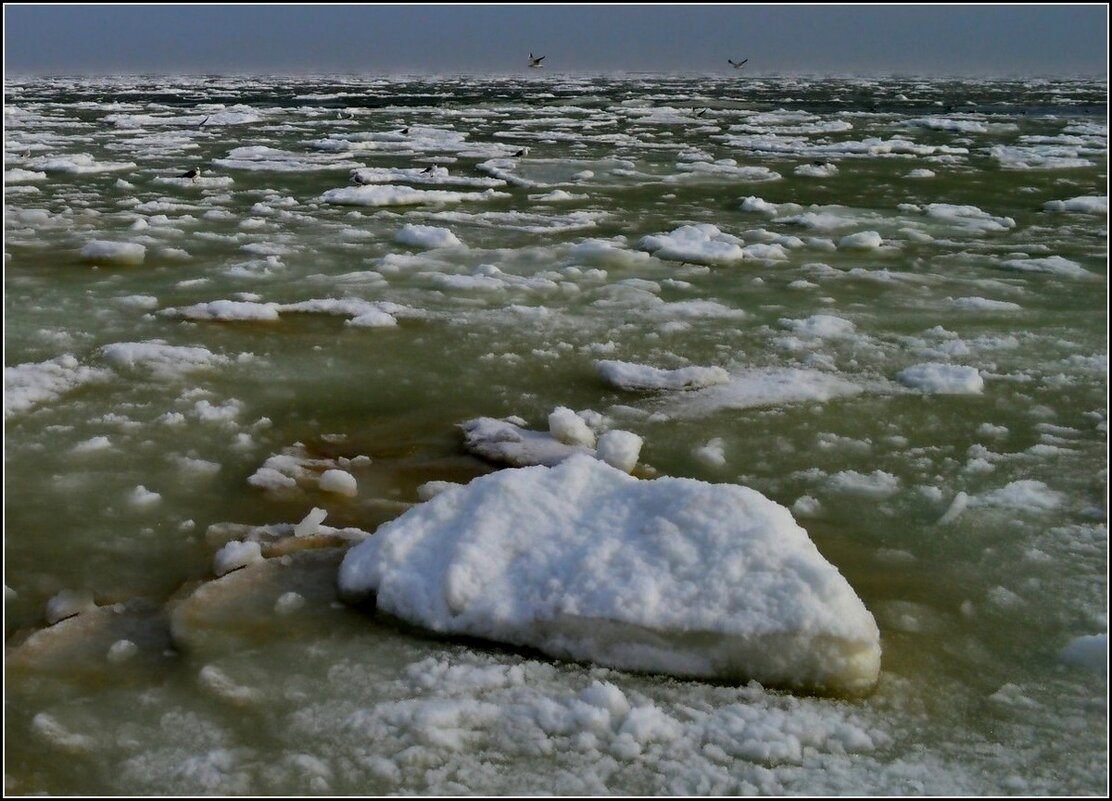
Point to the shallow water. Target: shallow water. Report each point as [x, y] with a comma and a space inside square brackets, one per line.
[975, 696]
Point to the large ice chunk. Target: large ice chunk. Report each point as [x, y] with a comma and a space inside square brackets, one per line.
[585, 562]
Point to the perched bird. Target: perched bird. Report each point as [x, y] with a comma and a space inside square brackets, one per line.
[535, 63]
[357, 178]
[524, 151]
[818, 163]
[192, 174]
[427, 169]
[736, 64]
[404, 132]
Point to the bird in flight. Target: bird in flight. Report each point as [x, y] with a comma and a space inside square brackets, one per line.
[206, 119]
[736, 64]
[192, 174]
[699, 113]
[535, 63]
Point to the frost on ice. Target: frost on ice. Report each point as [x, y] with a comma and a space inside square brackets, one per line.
[584, 562]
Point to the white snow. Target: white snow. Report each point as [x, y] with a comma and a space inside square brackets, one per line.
[984, 304]
[1085, 204]
[234, 555]
[820, 326]
[713, 453]
[339, 481]
[114, 252]
[877, 484]
[619, 449]
[569, 428]
[508, 443]
[163, 360]
[402, 196]
[700, 244]
[310, 525]
[670, 575]
[864, 240]
[427, 236]
[141, 497]
[943, 379]
[18, 176]
[761, 386]
[27, 385]
[1025, 495]
[627, 375]
[1055, 265]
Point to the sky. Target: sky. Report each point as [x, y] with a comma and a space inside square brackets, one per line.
[990, 40]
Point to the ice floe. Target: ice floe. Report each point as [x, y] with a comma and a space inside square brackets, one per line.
[104, 252]
[627, 375]
[28, 385]
[427, 236]
[1085, 204]
[725, 585]
[943, 379]
[700, 244]
[402, 196]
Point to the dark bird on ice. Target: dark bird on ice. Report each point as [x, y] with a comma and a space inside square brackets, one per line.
[192, 174]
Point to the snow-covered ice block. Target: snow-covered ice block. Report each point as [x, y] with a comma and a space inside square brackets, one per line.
[943, 379]
[114, 252]
[584, 562]
[620, 449]
[339, 481]
[628, 375]
[504, 442]
[427, 236]
[569, 428]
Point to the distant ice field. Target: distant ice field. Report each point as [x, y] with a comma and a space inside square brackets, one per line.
[879, 303]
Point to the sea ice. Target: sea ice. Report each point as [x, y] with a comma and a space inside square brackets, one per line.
[339, 481]
[619, 449]
[1086, 204]
[113, 252]
[569, 428]
[627, 375]
[700, 244]
[943, 379]
[671, 575]
[427, 236]
[864, 240]
[235, 555]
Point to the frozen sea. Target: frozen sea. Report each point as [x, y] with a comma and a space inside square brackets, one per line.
[894, 291]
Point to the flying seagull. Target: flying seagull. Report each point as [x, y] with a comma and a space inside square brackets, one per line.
[700, 113]
[206, 119]
[736, 64]
[192, 174]
[535, 63]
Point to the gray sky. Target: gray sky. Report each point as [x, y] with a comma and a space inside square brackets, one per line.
[1023, 40]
